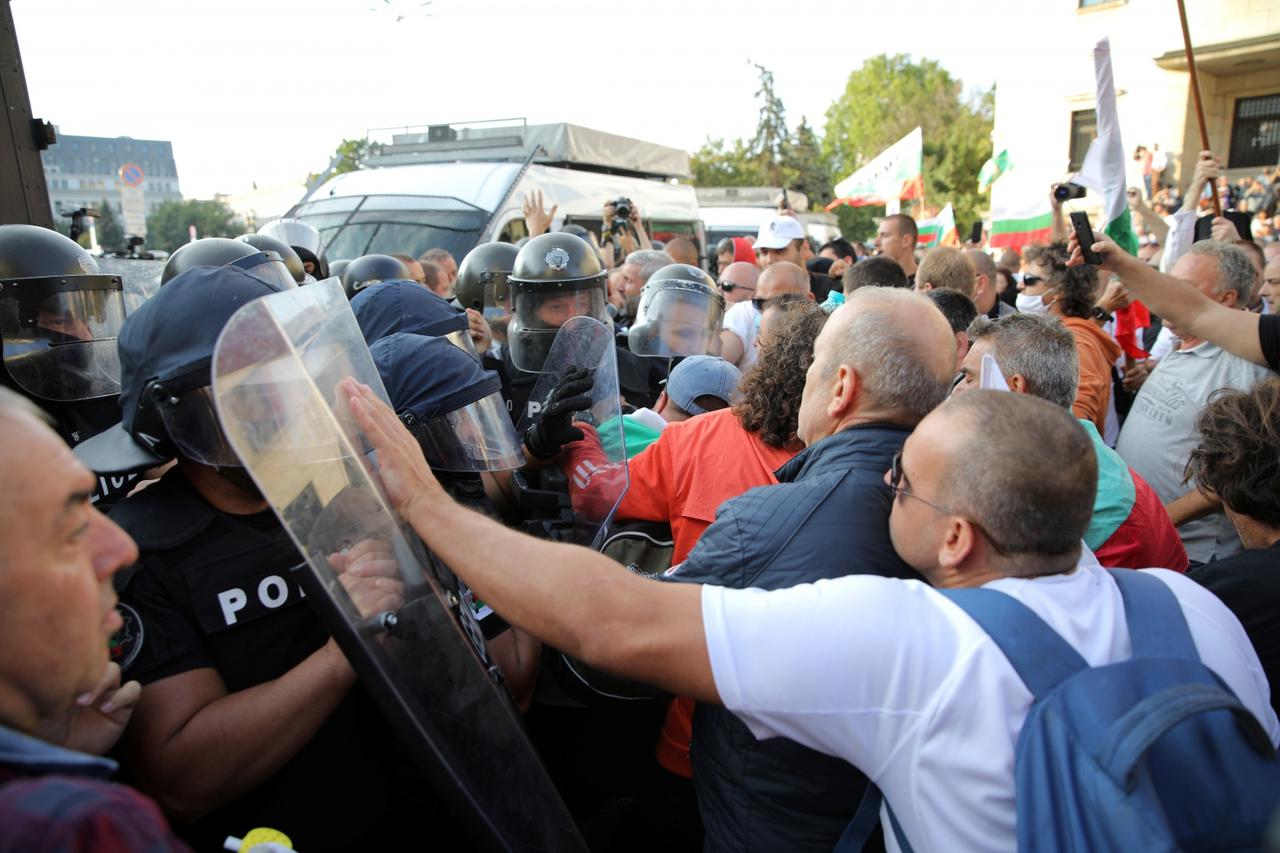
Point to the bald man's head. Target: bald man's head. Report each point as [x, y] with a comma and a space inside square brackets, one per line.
[781, 279]
[901, 350]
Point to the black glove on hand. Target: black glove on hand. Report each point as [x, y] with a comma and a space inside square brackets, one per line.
[554, 427]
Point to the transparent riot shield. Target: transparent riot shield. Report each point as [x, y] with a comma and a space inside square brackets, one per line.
[597, 466]
[408, 629]
[141, 278]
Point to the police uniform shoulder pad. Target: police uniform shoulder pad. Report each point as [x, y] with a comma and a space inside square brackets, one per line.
[163, 515]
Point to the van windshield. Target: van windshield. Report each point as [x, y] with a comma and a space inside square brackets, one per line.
[360, 225]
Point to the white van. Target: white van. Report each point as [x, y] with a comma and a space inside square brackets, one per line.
[739, 211]
[453, 187]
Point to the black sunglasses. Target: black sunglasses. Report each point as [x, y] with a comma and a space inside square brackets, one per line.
[728, 287]
[1029, 280]
[761, 303]
[895, 483]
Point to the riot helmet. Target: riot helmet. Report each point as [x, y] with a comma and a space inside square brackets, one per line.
[305, 240]
[266, 243]
[679, 315]
[221, 251]
[59, 317]
[165, 348]
[556, 276]
[406, 306]
[450, 404]
[482, 277]
[337, 268]
[369, 270]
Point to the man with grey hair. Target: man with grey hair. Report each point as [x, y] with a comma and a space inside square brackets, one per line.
[637, 269]
[1159, 433]
[448, 264]
[1036, 355]
[985, 296]
[61, 701]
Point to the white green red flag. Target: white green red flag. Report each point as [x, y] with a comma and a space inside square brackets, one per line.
[992, 169]
[895, 173]
[1023, 224]
[1104, 164]
[938, 231]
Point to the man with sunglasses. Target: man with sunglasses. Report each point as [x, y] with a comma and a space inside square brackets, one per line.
[742, 321]
[886, 674]
[738, 281]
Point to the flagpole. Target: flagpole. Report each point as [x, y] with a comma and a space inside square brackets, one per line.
[1195, 92]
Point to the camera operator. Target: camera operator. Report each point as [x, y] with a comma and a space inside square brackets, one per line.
[621, 231]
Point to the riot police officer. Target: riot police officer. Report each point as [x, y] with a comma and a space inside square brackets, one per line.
[292, 260]
[454, 408]
[248, 715]
[220, 251]
[558, 276]
[305, 240]
[680, 314]
[368, 270]
[406, 306]
[59, 319]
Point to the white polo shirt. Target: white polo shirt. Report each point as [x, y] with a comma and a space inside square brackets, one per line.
[900, 682]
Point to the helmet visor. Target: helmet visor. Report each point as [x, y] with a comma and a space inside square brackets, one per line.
[297, 234]
[59, 335]
[268, 267]
[677, 322]
[191, 422]
[539, 314]
[477, 437]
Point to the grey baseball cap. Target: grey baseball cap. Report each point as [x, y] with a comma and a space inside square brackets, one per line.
[700, 376]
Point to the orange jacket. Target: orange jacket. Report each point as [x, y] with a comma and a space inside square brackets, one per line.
[1097, 352]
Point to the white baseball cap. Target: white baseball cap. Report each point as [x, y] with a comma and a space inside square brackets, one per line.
[777, 231]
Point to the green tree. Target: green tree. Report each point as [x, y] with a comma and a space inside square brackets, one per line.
[769, 145]
[772, 157]
[167, 226]
[110, 230]
[805, 167]
[347, 157]
[887, 97]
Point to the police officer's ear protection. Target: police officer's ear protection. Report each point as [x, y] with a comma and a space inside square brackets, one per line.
[148, 426]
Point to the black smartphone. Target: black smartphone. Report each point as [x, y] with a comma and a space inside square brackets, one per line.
[1084, 235]
[975, 233]
[1242, 219]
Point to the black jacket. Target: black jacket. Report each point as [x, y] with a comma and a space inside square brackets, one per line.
[828, 517]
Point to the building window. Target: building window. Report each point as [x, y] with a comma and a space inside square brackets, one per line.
[1084, 127]
[1255, 133]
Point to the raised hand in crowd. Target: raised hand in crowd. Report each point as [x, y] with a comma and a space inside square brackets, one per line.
[537, 219]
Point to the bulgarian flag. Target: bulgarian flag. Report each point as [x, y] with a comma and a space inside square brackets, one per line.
[992, 169]
[1104, 164]
[1024, 223]
[895, 173]
[938, 231]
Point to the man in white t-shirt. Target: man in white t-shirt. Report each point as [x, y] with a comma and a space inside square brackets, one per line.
[742, 321]
[885, 673]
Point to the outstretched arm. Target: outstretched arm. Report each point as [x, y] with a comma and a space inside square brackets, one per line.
[571, 597]
[1179, 302]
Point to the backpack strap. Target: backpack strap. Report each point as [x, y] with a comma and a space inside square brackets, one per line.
[855, 835]
[1157, 627]
[1042, 659]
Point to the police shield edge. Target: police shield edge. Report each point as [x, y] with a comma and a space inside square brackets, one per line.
[600, 477]
[417, 649]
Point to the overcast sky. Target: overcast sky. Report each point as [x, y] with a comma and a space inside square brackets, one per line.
[263, 90]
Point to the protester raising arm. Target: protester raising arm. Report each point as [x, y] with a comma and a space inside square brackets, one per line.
[1178, 302]
[613, 619]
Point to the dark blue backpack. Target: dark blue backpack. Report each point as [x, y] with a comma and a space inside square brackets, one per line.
[1152, 753]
